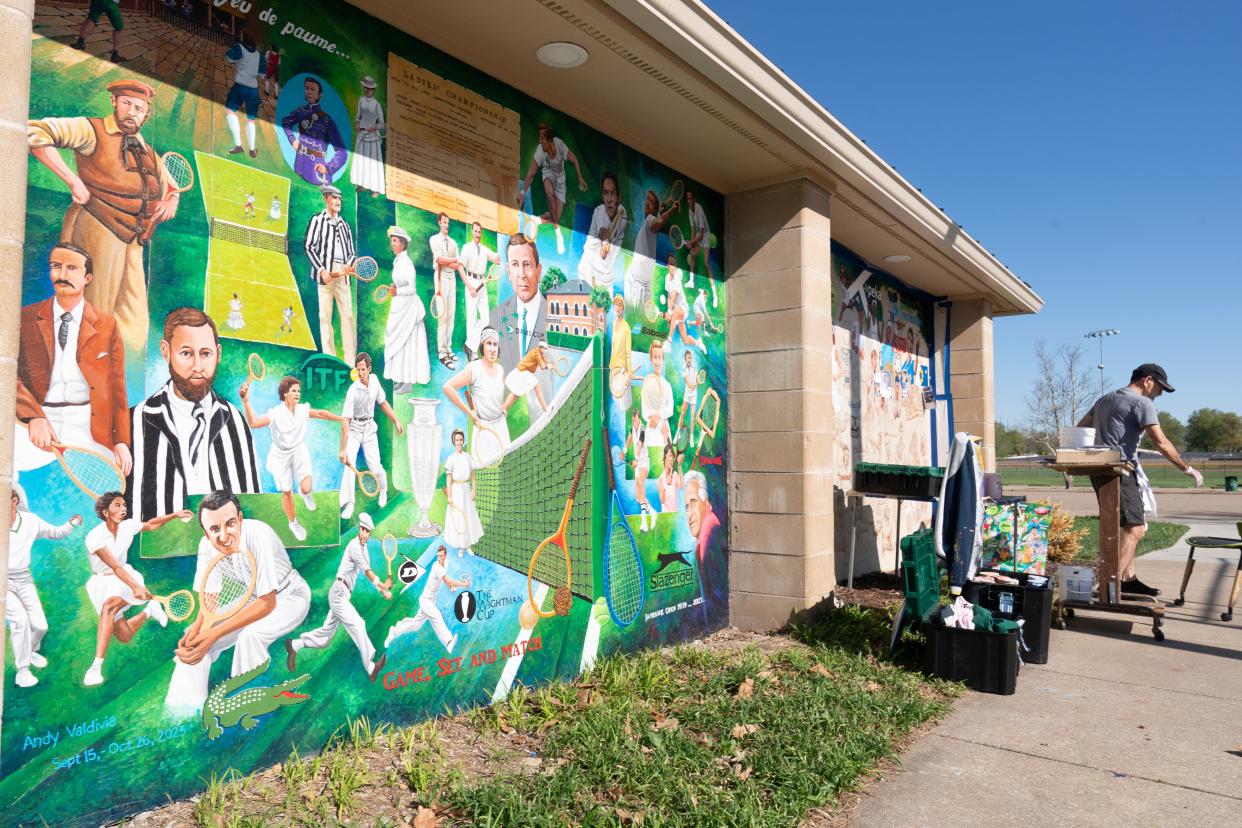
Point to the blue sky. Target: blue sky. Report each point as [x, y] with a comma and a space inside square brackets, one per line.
[1094, 147]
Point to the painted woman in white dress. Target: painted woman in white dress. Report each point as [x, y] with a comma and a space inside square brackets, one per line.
[235, 321]
[459, 495]
[406, 362]
[484, 382]
[367, 172]
[522, 380]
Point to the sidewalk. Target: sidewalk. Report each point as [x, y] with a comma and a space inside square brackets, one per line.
[1115, 729]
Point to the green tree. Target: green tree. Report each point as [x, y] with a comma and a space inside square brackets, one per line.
[1011, 441]
[1209, 429]
[1173, 428]
[552, 277]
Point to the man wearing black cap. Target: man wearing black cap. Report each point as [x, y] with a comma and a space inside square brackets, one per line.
[1120, 419]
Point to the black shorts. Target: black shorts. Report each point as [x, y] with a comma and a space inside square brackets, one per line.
[1131, 499]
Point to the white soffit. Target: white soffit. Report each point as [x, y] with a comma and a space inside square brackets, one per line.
[674, 81]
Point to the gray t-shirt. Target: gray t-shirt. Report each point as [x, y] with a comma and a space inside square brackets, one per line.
[1119, 418]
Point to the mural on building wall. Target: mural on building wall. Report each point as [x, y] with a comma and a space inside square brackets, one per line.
[351, 382]
[880, 382]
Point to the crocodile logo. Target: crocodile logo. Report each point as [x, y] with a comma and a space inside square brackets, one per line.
[223, 710]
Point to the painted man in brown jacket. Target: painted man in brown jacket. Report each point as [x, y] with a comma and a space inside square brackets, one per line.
[119, 196]
[70, 370]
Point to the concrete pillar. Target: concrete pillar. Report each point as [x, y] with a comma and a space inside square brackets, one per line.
[971, 379]
[780, 402]
[15, 30]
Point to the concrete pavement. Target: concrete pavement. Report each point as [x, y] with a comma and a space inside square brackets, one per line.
[1115, 729]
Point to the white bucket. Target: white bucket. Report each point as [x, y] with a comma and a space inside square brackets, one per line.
[1074, 583]
[1072, 437]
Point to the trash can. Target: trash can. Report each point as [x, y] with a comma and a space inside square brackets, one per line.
[1231, 483]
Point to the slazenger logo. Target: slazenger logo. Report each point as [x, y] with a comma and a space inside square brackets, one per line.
[674, 570]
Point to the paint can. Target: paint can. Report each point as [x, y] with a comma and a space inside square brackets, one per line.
[1072, 437]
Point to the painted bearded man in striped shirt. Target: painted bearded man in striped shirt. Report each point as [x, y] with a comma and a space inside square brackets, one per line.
[187, 439]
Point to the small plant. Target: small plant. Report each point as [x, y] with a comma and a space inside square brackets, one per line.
[1064, 540]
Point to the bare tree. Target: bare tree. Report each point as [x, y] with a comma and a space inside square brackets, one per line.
[1061, 393]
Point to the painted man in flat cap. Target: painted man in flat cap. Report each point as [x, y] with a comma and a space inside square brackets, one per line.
[118, 198]
[367, 173]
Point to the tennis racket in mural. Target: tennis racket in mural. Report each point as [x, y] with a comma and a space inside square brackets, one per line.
[624, 587]
[437, 302]
[364, 268]
[368, 482]
[227, 585]
[179, 606]
[556, 542]
[256, 369]
[676, 236]
[619, 381]
[675, 194]
[708, 416]
[91, 471]
[389, 546]
[381, 294]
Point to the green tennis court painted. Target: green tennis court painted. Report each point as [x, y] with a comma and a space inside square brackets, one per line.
[248, 287]
[225, 185]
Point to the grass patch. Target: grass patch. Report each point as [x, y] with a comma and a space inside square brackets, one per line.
[1160, 535]
[707, 734]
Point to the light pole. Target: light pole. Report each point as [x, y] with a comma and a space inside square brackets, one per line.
[1100, 335]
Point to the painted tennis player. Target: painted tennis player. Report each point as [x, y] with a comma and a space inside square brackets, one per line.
[484, 379]
[523, 380]
[341, 611]
[549, 160]
[286, 316]
[247, 62]
[641, 271]
[289, 460]
[235, 321]
[690, 397]
[621, 359]
[475, 258]
[23, 611]
[367, 171]
[700, 242]
[364, 396]
[277, 605]
[114, 585]
[427, 609]
[678, 308]
[248, 206]
[670, 481]
[406, 359]
[603, 245]
[637, 440]
[657, 398]
[465, 530]
[273, 212]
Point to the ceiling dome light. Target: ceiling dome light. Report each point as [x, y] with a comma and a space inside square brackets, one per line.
[898, 258]
[561, 55]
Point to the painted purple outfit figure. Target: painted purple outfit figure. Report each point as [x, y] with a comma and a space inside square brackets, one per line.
[315, 138]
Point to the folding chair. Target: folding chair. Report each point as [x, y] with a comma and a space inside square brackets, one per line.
[1214, 543]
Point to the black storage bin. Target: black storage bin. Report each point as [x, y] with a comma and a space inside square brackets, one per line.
[986, 661]
[1032, 604]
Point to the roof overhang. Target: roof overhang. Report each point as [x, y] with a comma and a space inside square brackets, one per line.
[674, 81]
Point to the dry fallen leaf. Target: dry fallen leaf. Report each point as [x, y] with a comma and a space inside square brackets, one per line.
[746, 689]
[872, 686]
[743, 730]
[586, 696]
[765, 674]
[426, 818]
[741, 773]
[662, 723]
[629, 817]
[821, 670]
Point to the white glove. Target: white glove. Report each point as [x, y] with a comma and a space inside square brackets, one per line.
[1195, 475]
